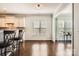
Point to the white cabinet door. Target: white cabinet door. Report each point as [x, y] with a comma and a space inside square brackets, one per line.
[1, 36]
[2, 22]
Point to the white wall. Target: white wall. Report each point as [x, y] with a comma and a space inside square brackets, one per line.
[53, 28]
[76, 29]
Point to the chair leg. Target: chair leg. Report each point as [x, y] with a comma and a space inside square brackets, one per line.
[18, 48]
[1, 52]
[5, 52]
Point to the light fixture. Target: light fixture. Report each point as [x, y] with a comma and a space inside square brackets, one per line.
[38, 5]
[9, 25]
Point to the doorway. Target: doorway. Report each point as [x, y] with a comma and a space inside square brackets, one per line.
[64, 28]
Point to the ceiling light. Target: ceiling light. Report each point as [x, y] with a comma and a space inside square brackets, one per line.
[38, 5]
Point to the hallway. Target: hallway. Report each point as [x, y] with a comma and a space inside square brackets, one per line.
[45, 48]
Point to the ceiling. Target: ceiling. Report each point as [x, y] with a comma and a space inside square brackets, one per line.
[28, 8]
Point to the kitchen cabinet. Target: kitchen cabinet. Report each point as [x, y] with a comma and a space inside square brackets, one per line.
[17, 21]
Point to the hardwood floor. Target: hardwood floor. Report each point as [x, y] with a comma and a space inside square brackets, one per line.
[45, 48]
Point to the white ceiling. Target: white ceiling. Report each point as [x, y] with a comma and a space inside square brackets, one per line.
[28, 8]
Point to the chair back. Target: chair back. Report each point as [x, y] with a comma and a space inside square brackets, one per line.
[21, 34]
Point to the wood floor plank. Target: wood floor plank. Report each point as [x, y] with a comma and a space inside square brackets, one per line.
[45, 48]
